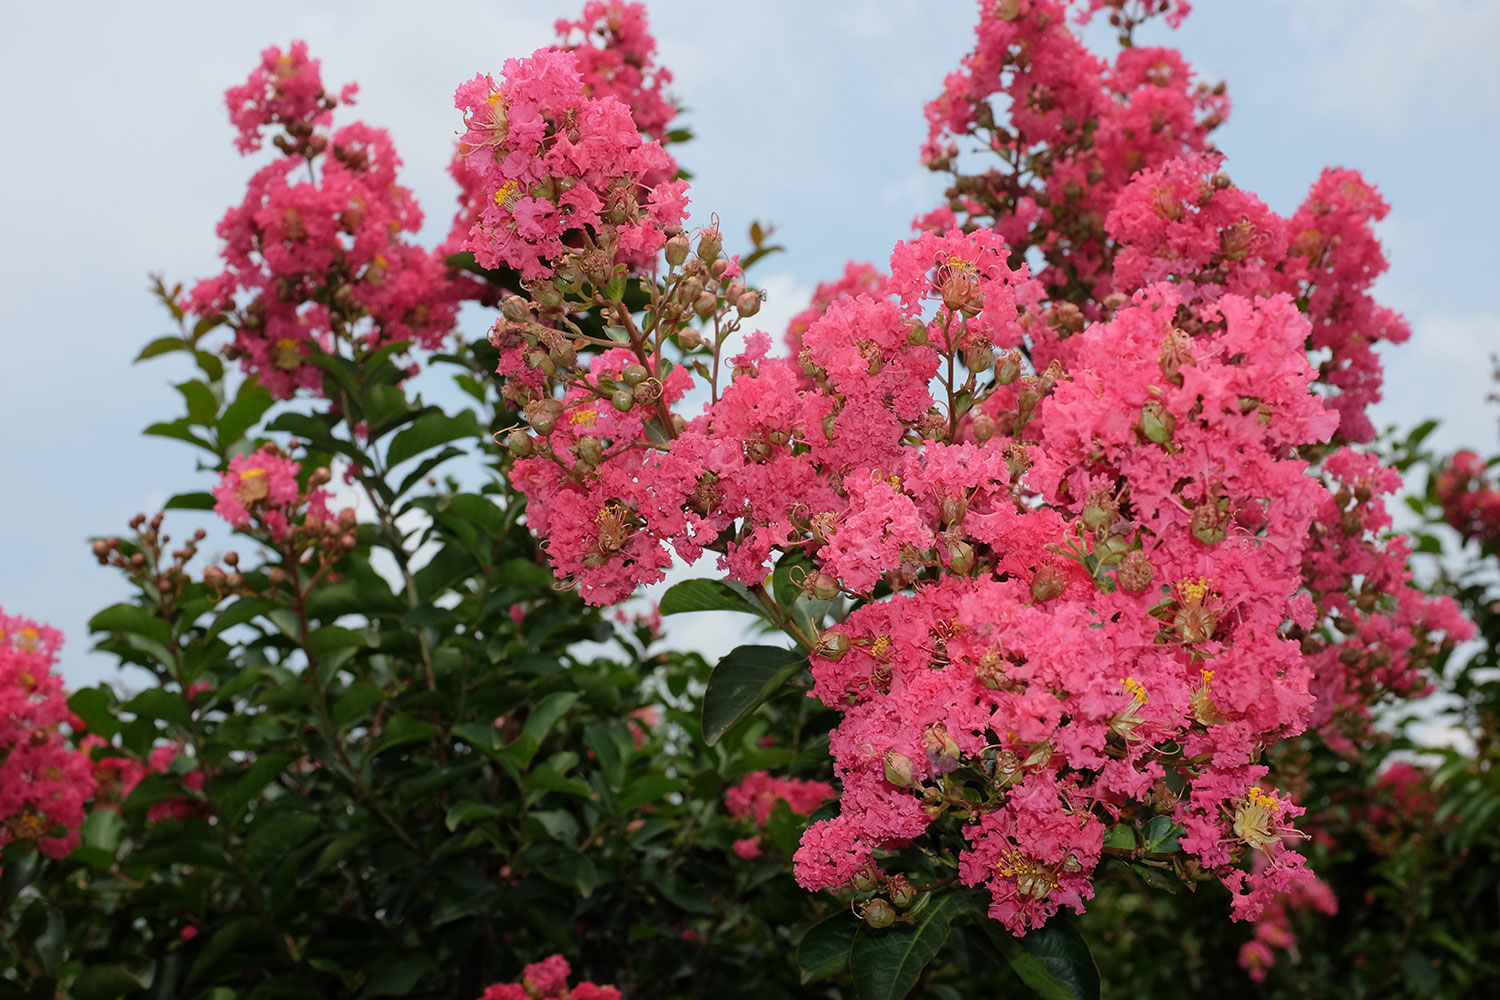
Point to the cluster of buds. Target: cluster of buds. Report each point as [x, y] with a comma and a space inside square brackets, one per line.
[147, 559]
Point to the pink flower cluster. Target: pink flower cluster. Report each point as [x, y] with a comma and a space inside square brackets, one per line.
[1088, 522]
[1106, 173]
[1273, 930]
[286, 89]
[118, 776]
[615, 55]
[756, 795]
[558, 165]
[548, 980]
[1356, 572]
[1470, 501]
[310, 263]
[261, 488]
[44, 782]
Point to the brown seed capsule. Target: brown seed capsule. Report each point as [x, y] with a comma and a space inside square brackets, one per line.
[705, 305]
[1134, 574]
[748, 304]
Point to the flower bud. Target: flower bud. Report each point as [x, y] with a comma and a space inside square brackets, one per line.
[677, 250]
[634, 375]
[1156, 423]
[589, 450]
[1008, 367]
[960, 557]
[622, 400]
[1134, 574]
[899, 769]
[520, 443]
[706, 304]
[718, 267]
[952, 510]
[984, 427]
[648, 392]
[709, 243]
[515, 309]
[1207, 524]
[1099, 510]
[832, 646]
[979, 358]
[748, 304]
[864, 880]
[1047, 584]
[689, 339]
[901, 890]
[823, 588]
[877, 913]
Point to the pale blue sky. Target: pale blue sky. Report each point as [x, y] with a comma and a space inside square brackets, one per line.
[118, 163]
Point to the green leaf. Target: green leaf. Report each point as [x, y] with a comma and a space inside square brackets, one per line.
[1053, 960]
[1161, 835]
[649, 789]
[243, 789]
[191, 501]
[428, 432]
[248, 407]
[95, 706]
[464, 813]
[241, 611]
[130, 618]
[179, 430]
[163, 345]
[203, 407]
[399, 978]
[824, 948]
[744, 679]
[708, 595]
[159, 703]
[886, 964]
[541, 719]
[401, 730]
[104, 982]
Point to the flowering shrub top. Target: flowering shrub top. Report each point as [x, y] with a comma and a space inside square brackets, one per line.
[1091, 554]
[309, 263]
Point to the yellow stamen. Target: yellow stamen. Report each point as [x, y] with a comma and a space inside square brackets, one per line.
[1136, 689]
[582, 417]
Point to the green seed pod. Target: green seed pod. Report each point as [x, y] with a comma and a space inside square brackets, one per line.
[622, 400]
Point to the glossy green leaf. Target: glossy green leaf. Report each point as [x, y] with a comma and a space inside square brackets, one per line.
[744, 679]
[1053, 960]
[824, 948]
[708, 595]
[429, 431]
[887, 963]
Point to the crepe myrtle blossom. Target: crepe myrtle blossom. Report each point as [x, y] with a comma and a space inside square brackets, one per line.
[1099, 527]
[319, 253]
[548, 980]
[44, 781]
